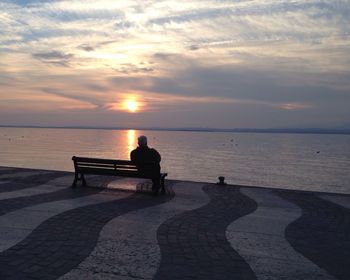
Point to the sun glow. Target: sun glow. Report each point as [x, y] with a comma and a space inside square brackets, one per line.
[128, 104]
[131, 105]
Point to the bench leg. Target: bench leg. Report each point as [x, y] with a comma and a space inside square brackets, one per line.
[79, 178]
[83, 179]
[74, 184]
[162, 185]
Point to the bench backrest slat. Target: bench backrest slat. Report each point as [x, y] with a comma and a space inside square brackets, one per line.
[99, 165]
[88, 164]
[101, 160]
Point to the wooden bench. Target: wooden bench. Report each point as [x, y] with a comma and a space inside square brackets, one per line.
[111, 167]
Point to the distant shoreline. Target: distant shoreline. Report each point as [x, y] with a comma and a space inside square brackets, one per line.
[236, 130]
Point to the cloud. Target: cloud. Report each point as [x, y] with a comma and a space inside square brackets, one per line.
[129, 68]
[223, 25]
[194, 47]
[86, 47]
[293, 106]
[54, 57]
[84, 100]
[244, 86]
[124, 25]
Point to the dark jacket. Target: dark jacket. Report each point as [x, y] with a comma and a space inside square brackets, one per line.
[146, 158]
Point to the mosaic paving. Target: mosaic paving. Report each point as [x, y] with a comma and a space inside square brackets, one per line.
[196, 231]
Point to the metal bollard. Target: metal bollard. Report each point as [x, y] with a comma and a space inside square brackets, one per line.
[221, 181]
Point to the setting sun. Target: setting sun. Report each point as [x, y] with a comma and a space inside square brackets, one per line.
[132, 106]
[129, 104]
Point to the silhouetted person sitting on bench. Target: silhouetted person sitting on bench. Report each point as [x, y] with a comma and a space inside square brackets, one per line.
[147, 161]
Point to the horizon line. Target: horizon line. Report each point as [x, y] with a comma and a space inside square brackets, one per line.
[310, 130]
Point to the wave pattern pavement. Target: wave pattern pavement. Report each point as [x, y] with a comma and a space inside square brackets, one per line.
[259, 238]
[199, 231]
[322, 233]
[131, 240]
[194, 245]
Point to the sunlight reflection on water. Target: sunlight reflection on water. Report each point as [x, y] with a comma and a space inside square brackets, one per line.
[131, 140]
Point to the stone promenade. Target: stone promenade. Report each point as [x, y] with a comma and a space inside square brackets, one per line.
[195, 231]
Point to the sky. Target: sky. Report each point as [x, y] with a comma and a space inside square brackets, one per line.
[176, 64]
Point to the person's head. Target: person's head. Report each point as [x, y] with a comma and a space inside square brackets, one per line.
[142, 141]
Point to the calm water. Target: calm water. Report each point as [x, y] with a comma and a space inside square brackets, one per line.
[295, 161]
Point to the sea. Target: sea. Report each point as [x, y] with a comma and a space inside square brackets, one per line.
[312, 162]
